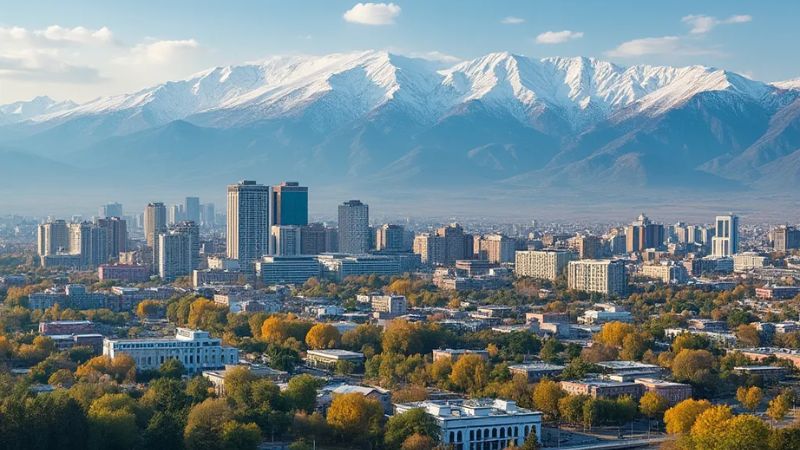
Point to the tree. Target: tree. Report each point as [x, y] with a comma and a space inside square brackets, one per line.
[148, 309]
[750, 398]
[164, 431]
[748, 335]
[401, 427]
[680, 418]
[239, 436]
[418, 442]
[301, 392]
[613, 333]
[531, 441]
[204, 425]
[599, 352]
[551, 350]
[696, 367]
[363, 335]
[779, 407]
[62, 378]
[198, 389]
[546, 396]
[744, 432]
[322, 335]
[653, 405]
[112, 422]
[710, 426]
[634, 345]
[570, 408]
[207, 315]
[470, 373]
[172, 368]
[354, 417]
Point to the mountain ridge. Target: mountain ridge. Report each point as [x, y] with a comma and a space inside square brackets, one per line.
[386, 121]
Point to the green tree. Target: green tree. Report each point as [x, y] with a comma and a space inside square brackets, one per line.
[301, 392]
[112, 423]
[415, 421]
[164, 431]
[546, 397]
[204, 425]
[172, 368]
[239, 436]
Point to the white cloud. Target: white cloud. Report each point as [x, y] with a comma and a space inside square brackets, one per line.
[558, 37]
[436, 56]
[159, 52]
[702, 24]
[53, 36]
[665, 45]
[511, 20]
[372, 13]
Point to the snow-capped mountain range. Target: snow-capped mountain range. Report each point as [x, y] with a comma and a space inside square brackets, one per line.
[501, 118]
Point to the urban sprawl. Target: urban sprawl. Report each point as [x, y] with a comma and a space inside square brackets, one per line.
[178, 327]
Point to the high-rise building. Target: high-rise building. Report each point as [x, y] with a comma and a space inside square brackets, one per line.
[331, 239]
[390, 238]
[312, 239]
[191, 228]
[457, 244]
[116, 233]
[289, 204]
[90, 241]
[589, 247]
[111, 210]
[726, 238]
[175, 214]
[248, 222]
[430, 248]
[542, 264]
[191, 209]
[53, 238]
[496, 248]
[178, 251]
[155, 222]
[208, 215]
[287, 240]
[603, 276]
[642, 234]
[785, 238]
[354, 236]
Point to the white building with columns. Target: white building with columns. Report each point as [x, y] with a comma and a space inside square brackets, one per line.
[480, 424]
[195, 349]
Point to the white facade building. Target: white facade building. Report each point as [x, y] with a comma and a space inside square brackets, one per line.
[542, 264]
[597, 275]
[726, 240]
[480, 423]
[195, 349]
[287, 269]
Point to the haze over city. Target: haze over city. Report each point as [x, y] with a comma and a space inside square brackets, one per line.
[401, 225]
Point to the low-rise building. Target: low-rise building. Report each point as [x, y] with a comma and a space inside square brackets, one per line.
[762, 353]
[598, 388]
[287, 269]
[537, 370]
[327, 359]
[195, 349]
[769, 374]
[217, 377]
[57, 327]
[673, 393]
[480, 423]
[326, 395]
[391, 305]
[130, 273]
[605, 312]
[772, 292]
[454, 354]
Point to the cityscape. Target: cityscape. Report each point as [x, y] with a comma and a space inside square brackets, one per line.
[398, 249]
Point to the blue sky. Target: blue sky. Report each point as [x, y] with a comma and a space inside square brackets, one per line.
[103, 48]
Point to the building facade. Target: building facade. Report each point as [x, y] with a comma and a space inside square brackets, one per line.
[354, 232]
[542, 264]
[195, 349]
[725, 242]
[603, 276]
[248, 224]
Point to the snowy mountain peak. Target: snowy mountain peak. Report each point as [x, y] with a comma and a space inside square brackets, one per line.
[24, 110]
[341, 87]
